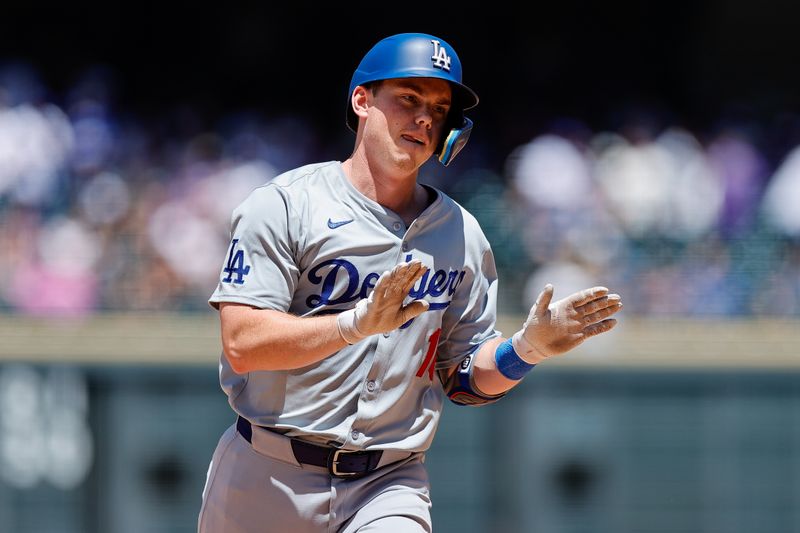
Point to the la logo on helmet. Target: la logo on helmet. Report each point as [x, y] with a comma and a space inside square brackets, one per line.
[440, 58]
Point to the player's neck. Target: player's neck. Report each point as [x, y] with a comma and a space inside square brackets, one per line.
[401, 194]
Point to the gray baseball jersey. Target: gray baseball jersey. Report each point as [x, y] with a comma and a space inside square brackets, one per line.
[309, 243]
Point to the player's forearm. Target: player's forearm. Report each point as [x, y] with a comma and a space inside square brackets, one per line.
[487, 378]
[261, 339]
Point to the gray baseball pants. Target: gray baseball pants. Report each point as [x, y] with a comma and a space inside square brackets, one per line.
[260, 487]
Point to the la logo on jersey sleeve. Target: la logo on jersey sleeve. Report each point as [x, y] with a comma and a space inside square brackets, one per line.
[235, 269]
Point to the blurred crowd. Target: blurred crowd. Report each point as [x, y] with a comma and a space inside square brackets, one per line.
[101, 210]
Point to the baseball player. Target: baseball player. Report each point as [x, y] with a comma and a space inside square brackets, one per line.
[353, 301]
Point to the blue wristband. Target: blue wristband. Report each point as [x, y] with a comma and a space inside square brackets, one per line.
[509, 363]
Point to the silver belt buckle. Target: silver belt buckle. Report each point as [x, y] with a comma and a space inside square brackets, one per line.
[334, 465]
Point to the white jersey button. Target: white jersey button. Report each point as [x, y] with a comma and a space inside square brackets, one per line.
[386, 335]
[370, 385]
[355, 434]
[397, 226]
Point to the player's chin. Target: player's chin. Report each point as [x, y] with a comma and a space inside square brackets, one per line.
[410, 159]
[418, 153]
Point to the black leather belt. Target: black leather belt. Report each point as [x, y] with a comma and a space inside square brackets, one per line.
[340, 463]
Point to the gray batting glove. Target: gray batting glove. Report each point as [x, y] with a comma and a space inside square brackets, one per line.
[384, 311]
[555, 328]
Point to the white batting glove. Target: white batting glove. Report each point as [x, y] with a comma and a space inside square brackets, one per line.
[553, 329]
[384, 311]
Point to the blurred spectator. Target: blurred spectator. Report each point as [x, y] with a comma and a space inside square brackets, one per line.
[552, 178]
[35, 143]
[634, 181]
[551, 172]
[663, 186]
[57, 276]
[104, 199]
[743, 171]
[781, 205]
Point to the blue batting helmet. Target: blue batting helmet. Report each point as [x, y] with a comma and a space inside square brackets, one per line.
[419, 55]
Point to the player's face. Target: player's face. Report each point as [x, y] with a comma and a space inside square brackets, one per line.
[406, 120]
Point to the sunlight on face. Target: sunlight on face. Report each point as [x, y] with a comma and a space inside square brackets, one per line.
[406, 118]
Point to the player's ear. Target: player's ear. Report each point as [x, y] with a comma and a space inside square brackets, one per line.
[359, 101]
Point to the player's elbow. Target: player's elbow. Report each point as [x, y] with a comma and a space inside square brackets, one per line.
[465, 398]
[461, 389]
[236, 354]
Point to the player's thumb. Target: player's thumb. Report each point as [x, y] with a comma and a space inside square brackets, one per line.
[414, 309]
[543, 300]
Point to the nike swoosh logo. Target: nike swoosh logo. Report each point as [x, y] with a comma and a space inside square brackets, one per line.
[334, 225]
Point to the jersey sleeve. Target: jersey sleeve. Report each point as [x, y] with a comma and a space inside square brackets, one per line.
[463, 333]
[260, 268]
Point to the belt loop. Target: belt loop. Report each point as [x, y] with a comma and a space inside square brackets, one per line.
[244, 428]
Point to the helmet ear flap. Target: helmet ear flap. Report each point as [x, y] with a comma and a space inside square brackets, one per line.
[454, 137]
